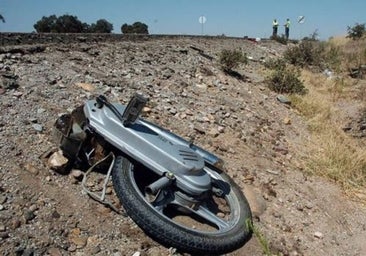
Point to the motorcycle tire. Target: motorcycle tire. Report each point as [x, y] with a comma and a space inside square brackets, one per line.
[126, 177]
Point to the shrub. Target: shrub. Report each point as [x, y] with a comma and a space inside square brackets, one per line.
[356, 32]
[281, 39]
[273, 64]
[312, 37]
[230, 59]
[304, 54]
[315, 55]
[286, 79]
[333, 57]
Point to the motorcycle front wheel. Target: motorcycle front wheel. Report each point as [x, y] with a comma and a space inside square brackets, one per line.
[220, 224]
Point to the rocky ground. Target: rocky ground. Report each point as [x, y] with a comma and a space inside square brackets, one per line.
[260, 139]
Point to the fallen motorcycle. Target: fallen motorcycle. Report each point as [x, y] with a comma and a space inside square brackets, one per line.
[174, 190]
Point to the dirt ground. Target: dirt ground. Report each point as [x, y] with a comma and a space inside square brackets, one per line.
[261, 140]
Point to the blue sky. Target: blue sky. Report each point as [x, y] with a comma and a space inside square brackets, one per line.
[230, 17]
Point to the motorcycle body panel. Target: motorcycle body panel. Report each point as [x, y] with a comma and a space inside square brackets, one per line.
[158, 149]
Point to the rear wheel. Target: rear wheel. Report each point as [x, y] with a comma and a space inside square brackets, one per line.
[218, 223]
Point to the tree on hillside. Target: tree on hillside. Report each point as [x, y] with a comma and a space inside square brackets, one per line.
[101, 26]
[46, 24]
[2, 18]
[135, 28]
[69, 24]
[357, 31]
[125, 29]
[86, 27]
[63, 24]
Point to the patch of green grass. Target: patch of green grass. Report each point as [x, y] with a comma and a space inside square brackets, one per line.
[263, 241]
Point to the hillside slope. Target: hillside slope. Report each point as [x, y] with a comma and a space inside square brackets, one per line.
[260, 139]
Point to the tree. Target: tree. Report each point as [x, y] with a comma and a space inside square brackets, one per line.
[86, 27]
[126, 29]
[357, 31]
[46, 24]
[68, 24]
[101, 26]
[63, 24]
[140, 28]
[135, 28]
[71, 24]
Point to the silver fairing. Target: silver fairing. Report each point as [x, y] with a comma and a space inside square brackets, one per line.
[150, 146]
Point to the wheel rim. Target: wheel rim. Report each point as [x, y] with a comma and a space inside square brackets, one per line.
[214, 216]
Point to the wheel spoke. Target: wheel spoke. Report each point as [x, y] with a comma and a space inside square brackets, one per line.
[212, 218]
[161, 200]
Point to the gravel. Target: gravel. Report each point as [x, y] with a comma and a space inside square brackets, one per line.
[260, 139]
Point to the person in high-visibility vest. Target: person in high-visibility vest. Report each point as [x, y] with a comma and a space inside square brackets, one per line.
[287, 28]
[275, 28]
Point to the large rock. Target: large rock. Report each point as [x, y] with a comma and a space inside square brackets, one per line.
[8, 81]
[58, 162]
[256, 201]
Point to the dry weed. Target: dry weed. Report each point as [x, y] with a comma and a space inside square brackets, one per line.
[354, 54]
[338, 157]
[332, 153]
[339, 40]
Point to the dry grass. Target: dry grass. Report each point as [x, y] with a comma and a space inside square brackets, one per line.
[336, 156]
[353, 52]
[331, 152]
[340, 40]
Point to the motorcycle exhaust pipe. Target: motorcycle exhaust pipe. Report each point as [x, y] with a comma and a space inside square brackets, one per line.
[161, 183]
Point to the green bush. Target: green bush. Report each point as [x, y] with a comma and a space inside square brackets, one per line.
[315, 55]
[286, 79]
[306, 54]
[230, 59]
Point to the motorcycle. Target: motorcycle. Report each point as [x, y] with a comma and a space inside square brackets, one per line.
[175, 191]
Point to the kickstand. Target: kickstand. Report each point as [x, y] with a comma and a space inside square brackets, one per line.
[101, 197]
